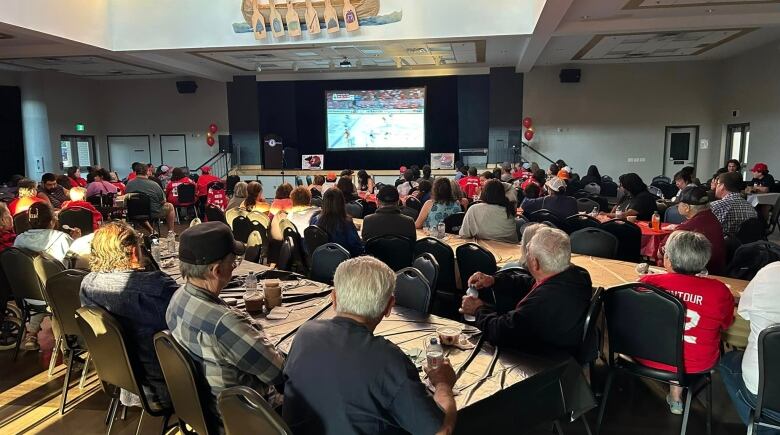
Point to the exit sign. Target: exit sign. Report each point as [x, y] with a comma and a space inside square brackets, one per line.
[81, 127]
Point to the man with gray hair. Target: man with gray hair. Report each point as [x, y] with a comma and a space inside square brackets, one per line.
[552, 314]
[228, 348]
[342, 379]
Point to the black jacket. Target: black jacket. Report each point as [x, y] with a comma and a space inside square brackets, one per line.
[388, 221]
[551, 316]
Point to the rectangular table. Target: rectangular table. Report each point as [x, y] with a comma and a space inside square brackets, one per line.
[756, 199]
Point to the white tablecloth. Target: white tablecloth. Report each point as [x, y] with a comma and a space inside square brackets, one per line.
[763, 198]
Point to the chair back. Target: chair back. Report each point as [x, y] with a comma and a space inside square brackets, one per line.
[752, 230]
[298, 181]
[473, 258]
[23, 274]
[520, 224]
[242, 226]
[232, 214]
[672, 215]
[354, 210]
[106, 343]
[774, 216]
[427, 265]
[80, 218]
[453, 222]
[609, 188]
[21, 222]
[656, 191]
[257, 216]
[595, 242]
[314, 237]
[138, 206]
[284, 261]
[645, 322]
[661, 178]
[324, 261]
[580, 221]
[545, 215]
[591, 338]
[629, 237]
[413, 202]
[750, 258]
[395, 251]
[215, 214]
[412, 290]
[592, 188]
[300, 261]
[308, 180]
[244, 411]
[768, 361]
[181, 376]
[586, 204]
[62, 293]
[186, 194]
[445, 259]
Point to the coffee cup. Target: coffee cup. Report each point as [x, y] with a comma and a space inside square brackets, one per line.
[254, 301]
[273, 293]
[449, 335]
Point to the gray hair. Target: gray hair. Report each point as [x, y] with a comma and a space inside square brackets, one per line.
[239, 190]
[363, 287]
[197, 271]
[688, 252]
[457, 193]
[529, 231]
[551, 248]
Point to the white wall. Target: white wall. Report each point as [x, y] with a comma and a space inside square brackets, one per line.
[620, 111]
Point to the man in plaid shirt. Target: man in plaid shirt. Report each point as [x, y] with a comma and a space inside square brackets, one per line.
[227, 348]
[730, 208]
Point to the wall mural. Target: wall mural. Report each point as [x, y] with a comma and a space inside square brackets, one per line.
[329, 15]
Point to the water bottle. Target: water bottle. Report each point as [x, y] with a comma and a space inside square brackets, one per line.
[251, 282]
[441, 230]
[472, 291]
[656, 221]
[156, 252]
[434, 353]
[594, 212]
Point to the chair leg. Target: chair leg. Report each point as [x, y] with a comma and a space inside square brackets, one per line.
[22, 330]
[605, 396]
[558, 428]
[54, 355]
[110, 408]
[584, 419]
[686, 412]
[709, 407]
[84, 372]
[112, 416]
[68, 369]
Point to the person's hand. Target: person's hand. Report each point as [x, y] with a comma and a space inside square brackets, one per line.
[469, 305]
[443, 375]
[479, 281]
[75, 233]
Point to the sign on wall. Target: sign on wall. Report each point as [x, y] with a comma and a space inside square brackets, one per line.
[442, 160]
[312, 161]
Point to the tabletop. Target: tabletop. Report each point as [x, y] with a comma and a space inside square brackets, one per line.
[756, 199]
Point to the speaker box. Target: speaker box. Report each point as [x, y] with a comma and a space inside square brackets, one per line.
[186, 87]
[570, 75]
[225, 143]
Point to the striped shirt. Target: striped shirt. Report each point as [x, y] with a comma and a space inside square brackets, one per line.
[731, 211]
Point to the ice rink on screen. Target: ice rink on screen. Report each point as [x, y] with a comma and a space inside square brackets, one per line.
[376, 130]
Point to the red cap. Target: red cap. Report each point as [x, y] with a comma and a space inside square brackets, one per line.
[402, 169]
[205, 169]
[760, 167]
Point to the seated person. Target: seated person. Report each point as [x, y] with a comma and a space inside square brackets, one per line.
[493, 218]
[204, 180]
[694, 207]
[172, 188]
[52, 192]
[552, 314]
[225, 344]
[682, 179]
[371, 386]
[731, 208]
[409, 184]
[254, 198]
[531, 191]
[239, 195]
[137, 299]
[28, 195]
[441, 205]
[471, 184]
[388, 220]
[760, 306]
[101, 184]
[557, 202]
[300, 214]
[316, 187]
[282, 200]
[334, 220]
[142, 184]
[709, 304]
[74, 175]
[116, 182]
[77, 202]
[762, 181]
[637, 201]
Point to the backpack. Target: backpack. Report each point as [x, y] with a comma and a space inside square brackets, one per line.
[217, 196]
[751, 257]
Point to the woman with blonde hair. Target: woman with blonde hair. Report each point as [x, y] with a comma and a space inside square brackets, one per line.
[136, 298]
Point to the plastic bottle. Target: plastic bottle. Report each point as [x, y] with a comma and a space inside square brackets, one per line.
[171, 242]
[656, 221]
[474, 294]
[156, 251]
[594, 212]
[251, 282]
[434, 353]
[441, 230]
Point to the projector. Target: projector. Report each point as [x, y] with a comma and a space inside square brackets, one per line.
[345, 64]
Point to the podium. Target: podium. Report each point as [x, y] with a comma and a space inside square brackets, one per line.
[272, 152]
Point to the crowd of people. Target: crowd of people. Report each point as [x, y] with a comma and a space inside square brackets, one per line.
[548, 296]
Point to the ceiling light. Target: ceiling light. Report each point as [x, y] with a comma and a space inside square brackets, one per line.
[585, 17]
[259, 68]
[709, 11]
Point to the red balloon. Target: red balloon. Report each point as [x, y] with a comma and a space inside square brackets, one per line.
[529, 134]
[213, 128]
[528, 122]
[210, 140]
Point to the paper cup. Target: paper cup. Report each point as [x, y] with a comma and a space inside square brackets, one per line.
[449, 335]
[254, 302]
[273, 295]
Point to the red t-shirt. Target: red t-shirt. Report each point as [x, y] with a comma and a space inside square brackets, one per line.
[120, 188]
[469, 186]
[97, 218]
[203, 183]
[172, 191]
[77, 182]
[710, 310]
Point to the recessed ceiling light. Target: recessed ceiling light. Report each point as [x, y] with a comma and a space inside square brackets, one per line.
[585, 17]
[259, 68]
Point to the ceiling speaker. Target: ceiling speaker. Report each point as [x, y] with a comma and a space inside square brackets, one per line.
[186, 87]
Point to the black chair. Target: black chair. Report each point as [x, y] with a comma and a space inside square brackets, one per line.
[413, 202]
[609, 189]
[313, 238]
[750, 258]
[139, 206]
[592, 335]
[445, 302]
[242, 226]
[427, 265]
[244, 411]
[354, 210]
[579, 221]
[395, 251]
[545, 215]
[672, 215]
[768, 386]
[21, 222]
[308, 180]
[324, 261]
[80, 218]
[629, 237]
[774, 217]
[648, 323]
[668, 189]
[661, 178]
[587, 205]
[453, 222]
[473, 258]
[595, 242]
[187, 198]
[752, 230]
[298, 181]
[412, 290]
[299, 259]
[104, 203]
[409, 211]
[520, 224]
[215, 214]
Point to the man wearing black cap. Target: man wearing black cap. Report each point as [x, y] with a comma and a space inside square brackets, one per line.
[388, 219]
[230, 350]
[695, 208]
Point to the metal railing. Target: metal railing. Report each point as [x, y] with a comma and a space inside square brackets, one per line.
[221, 164]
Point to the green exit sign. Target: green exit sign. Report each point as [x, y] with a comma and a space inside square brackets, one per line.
[81, 127]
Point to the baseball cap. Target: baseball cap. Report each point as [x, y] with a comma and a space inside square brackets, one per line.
[555, 184]
[760, 167]
[207, 243]
[205, 169]
[388, 194]
[402, 169]
[331, 176]
[694, 195]
[165, 168]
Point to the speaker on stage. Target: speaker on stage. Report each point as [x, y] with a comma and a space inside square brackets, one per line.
[272, 152]
[225, 143]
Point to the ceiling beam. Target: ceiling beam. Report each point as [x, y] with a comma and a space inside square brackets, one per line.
[660, 24]
[549, 20]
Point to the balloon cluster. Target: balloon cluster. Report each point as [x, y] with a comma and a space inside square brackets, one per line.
[210, 135]
[528, 123]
